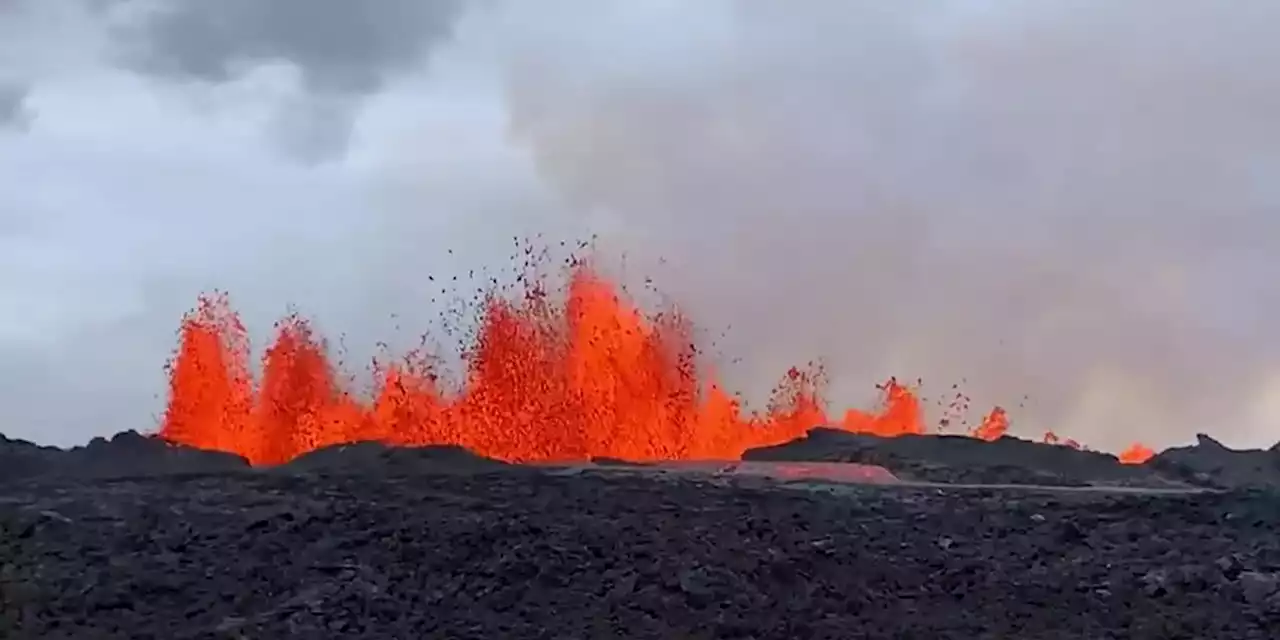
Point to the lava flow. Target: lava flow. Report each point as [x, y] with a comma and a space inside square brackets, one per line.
[584, 376]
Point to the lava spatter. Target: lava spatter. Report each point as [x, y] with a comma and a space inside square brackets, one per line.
[547, 378]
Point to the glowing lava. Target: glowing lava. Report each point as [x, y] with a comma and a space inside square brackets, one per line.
[584, 376]
[1136, 453]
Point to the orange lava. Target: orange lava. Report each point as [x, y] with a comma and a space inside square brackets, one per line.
[546, 379]
[1137, 453]
[1052, 438]
[992, 427]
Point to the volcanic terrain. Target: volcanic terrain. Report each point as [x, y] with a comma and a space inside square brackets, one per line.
[586, 477]
[136, 538]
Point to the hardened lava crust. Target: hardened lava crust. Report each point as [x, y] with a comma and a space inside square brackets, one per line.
[369, 542]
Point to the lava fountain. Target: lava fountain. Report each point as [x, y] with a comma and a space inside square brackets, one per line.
[547, 378]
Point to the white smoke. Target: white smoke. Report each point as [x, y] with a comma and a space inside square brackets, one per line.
[1065, 200]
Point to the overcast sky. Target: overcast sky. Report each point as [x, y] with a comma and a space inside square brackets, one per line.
[1076, 201]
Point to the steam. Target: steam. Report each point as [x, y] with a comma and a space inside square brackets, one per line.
[1068, 200]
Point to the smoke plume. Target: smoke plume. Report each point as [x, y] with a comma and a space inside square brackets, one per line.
[1068, 201]
[1065, 207]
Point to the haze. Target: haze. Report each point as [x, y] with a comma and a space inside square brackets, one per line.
[1068, 201]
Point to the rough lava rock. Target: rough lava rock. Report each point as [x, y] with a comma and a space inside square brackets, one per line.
[540, 555]
[137, 538]
[130, 454]
[366, 457]
[1209, 462]
[961, 459]
[21, 459]
[931, 458]
[126, 454]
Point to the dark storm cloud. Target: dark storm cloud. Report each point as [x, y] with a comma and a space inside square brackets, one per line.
[338, 45]
[343, 50]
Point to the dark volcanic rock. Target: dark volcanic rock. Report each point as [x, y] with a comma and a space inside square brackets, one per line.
[126, 454]
[522, 555]
[130, 453]
[375, 457]
[606, 461]
[961, 459]
[22, 459]
[1209, 462]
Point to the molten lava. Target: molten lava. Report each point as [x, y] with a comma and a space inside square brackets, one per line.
[545, 380]
[1137, 453]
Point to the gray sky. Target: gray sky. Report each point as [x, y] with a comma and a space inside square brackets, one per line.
[1073, 200]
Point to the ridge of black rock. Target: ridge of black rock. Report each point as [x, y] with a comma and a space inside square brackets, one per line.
[953, 459]
[1209, 443]
[23, 458]
[962, 459]
[126, 454]
[1209, 462]
[371, 456]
